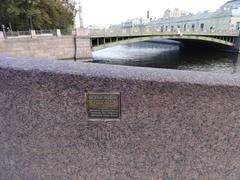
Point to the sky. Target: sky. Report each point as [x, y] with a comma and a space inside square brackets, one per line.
[106, 12]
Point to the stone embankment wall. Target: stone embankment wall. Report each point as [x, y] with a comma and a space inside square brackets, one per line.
[174, 124]
[51, 47]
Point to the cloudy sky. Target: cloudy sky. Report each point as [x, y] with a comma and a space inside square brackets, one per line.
[106, 12]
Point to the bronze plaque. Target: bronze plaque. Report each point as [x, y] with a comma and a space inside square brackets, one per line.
[103, 105]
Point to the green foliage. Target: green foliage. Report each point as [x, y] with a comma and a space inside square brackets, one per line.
[46, 14]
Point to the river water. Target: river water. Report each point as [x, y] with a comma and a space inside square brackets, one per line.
[167, 54]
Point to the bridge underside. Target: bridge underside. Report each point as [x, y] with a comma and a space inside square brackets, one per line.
[187, 42]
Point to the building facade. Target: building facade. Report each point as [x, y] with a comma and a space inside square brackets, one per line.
[174, 13]
[227, 17]
[133, 23]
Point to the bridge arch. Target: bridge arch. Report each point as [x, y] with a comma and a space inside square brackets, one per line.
[183, 38]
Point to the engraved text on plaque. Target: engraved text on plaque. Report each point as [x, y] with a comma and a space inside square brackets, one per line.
[103, 105]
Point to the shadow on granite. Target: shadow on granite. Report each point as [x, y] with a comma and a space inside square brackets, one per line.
[174, 124]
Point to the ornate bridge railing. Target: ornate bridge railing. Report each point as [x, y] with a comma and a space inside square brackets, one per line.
[158, 31]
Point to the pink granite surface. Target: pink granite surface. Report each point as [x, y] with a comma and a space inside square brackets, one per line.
[175, 124]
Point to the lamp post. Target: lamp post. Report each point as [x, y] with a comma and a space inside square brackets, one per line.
[80, 14]
[30, 16]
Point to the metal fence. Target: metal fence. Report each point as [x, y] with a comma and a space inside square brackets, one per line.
[17, 33]
[125, 32]
[45, 32]
[158, 31]
[39, 33]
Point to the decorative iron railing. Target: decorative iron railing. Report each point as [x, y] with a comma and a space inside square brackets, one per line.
[17, 33]
[158, 31]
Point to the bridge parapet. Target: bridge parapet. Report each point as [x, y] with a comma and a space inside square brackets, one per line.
[158, 31]
[174, 124]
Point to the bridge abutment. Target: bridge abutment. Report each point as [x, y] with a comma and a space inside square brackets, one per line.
[236, 47]
[83, 44]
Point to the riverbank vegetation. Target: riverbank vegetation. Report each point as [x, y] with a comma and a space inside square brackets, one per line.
[37, 14]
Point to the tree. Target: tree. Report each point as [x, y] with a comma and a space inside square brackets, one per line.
[46, 14]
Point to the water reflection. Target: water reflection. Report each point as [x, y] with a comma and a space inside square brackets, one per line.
[210, 62]
[164, 54]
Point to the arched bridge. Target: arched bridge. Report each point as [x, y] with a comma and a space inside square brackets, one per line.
[101, 39]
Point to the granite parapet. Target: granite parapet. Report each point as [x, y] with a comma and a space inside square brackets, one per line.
[174, 124]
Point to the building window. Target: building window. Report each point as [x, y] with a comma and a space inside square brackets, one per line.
[172, 28]
[185, 27]
[162, 28]
[238, 26]
[193, 27]
[202, 26]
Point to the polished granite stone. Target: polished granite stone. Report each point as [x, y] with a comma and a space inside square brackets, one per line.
[174, 124]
